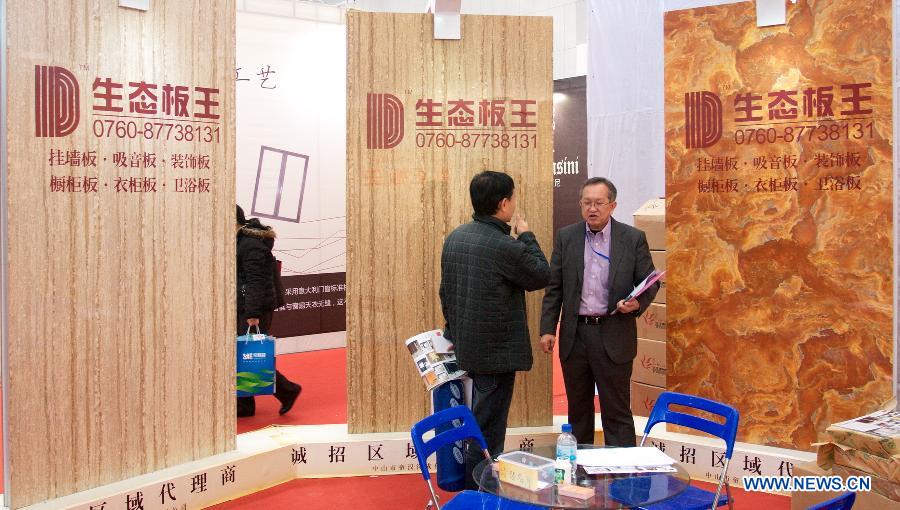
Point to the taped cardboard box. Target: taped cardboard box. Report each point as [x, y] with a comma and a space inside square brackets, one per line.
[651, 218]
[652, 323]
[650, 363]
[887, 468]
[877, 433]
[643, 397]
[880, 486]
[801, 500]
[864, 500]
[659, 262]
[842, 459]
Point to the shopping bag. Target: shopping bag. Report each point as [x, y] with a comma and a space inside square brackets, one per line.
[255, 364]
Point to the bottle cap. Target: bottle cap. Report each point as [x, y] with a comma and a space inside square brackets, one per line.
[567, 428]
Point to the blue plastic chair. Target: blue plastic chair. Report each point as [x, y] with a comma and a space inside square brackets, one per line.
[693, 498]
[842, 502]
[464, 427]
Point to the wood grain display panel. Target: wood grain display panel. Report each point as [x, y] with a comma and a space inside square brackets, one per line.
[779, 146]
[423, 117]
[121, 241]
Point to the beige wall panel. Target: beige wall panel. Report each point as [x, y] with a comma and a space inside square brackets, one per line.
[121, 304]
[403, 201]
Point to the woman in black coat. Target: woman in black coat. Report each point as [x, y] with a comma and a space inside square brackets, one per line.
[256, 299]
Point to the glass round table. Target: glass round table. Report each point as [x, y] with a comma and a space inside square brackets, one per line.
[611, 491]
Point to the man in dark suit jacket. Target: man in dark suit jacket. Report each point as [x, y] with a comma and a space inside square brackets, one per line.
[596, 263]
[485, 272]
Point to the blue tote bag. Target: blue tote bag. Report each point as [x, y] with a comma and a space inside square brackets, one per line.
[255, 364]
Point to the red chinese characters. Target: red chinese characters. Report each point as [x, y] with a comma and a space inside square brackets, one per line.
[150, 99]
[142, 98]
[134, 160]
[190, 161]
[104, 92]
[817, 102]
[462, 113]
[524, 111]
[856, 99]
[205, 103]
[72, 158]
[713, 185]
[782, 105]
[746, 104]
[717, 164]
[838, 159]
[135, 184]
[811, 102]
[787, 183]
[429, 113]
[73, 184]
[175, 100]
[491, 113]
[192, 185]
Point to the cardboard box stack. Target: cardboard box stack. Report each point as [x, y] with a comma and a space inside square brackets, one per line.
[865, 446]
[648, 376]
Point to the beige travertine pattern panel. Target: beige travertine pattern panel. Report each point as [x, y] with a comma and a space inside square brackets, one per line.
[403, 200]
[121, 273]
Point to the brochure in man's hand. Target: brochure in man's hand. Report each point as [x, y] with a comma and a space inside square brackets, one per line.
[644, 285]
[433, 355]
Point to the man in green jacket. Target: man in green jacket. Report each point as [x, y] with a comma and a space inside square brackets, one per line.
[486, 267]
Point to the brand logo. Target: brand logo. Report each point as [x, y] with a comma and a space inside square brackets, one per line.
[651, 364]
[702, 119]
[56, 110]
[384, 121]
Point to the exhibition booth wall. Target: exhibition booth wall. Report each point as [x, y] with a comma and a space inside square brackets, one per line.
[424, 116]
[753, 265]
[119, 273]
[120, 359]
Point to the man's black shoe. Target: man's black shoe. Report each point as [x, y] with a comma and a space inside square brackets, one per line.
[288, 402]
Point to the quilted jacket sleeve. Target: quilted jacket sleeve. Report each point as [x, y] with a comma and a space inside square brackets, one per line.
[526, 265]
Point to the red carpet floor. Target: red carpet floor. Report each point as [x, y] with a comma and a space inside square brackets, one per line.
[323, 375]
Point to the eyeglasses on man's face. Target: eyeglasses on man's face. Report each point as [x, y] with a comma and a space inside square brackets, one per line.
[597, 204]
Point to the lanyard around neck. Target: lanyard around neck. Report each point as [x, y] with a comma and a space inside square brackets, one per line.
[591, 246]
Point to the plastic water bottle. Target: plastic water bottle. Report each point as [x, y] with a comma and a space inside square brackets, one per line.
[566, 446]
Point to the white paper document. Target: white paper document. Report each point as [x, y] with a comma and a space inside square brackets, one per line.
[594, 470]
[880, 423]
[644, 456]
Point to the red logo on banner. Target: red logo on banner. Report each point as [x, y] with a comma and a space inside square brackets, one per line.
[56, 111]
[384, 121]
[702, 119]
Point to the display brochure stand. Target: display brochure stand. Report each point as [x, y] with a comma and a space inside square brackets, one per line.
[433, 356]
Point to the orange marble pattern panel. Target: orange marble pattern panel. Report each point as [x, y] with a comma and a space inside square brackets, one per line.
[779, 220]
